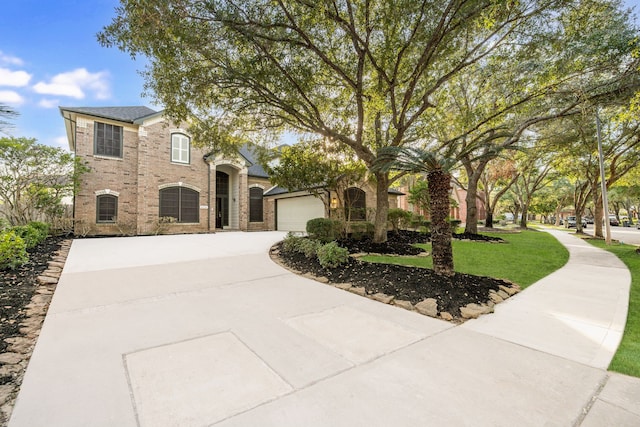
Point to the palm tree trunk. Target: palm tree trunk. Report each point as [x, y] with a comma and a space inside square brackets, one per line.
[439, 190]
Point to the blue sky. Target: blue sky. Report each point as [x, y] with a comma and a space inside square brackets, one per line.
[49, 57]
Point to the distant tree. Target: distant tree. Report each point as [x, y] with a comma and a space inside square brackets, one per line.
[496, 179]
[34, 178]
[419, 195]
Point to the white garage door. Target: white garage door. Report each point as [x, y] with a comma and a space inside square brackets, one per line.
[294, 213]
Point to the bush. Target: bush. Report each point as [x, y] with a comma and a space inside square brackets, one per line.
[292, 243]
[32, 236]
[309, 247]
[13, 250]
[331, 255]
[361, 229]
[324, 229]
[454, 224]
[399, 218]
[42, 227]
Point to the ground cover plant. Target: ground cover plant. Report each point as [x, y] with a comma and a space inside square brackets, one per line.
[527, 257]
[627, 358]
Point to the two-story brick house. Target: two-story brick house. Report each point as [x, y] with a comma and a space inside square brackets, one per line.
[146, 176]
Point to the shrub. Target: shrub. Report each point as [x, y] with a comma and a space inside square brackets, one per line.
[324, 229]
[331, 255]
[13, 250]
[31, 235]
[42, 227]
[361, 229]
[399, 218]
[454, 224]
[292, 243]
[309, 247]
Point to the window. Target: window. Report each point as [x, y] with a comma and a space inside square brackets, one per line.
[255, 204]
[106, 208]
[108, 140]
[179, 148]
[180, 203]
[355, 204]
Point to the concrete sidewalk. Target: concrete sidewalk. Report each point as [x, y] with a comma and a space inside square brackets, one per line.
[205, 330]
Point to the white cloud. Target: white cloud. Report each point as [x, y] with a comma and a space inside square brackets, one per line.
[10, 60]
[74, 84]
[48, 103]
[10, 97]
[61, 141]
[14, 78]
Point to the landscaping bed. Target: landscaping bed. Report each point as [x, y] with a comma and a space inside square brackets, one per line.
[403, 283]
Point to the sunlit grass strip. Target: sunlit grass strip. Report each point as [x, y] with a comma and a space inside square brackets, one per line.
[525, 258]
[627, 358]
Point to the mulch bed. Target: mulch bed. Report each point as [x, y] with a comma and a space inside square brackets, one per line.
[413, 284]
[18, 286]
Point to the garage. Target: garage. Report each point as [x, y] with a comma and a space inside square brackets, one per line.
[293, 213]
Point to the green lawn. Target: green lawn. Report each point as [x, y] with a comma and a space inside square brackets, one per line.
[525, 258]
[627, 358]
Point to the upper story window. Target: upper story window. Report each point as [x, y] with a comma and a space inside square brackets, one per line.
[179, 148]
[108, 140]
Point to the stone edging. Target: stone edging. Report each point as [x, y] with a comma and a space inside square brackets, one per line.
[427, 307]
[15, 360]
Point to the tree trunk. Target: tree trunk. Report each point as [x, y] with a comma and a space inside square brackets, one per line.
[471, 225]
[598, 223]
[525, 214]
[382, 207]
[439, 189]
[489, 221]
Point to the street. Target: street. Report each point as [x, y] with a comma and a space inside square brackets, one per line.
[630, 235]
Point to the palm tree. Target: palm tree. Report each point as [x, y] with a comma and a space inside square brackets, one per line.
[438, 170]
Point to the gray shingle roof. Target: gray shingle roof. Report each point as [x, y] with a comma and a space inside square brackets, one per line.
[255, 169]
[122, 114]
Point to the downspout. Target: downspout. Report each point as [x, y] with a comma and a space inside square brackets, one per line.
[206, 160]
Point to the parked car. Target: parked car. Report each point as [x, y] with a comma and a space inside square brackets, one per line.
[571, 222]
[613, 220]
[589, 219]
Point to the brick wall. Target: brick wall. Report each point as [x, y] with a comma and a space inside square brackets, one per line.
[137, 177]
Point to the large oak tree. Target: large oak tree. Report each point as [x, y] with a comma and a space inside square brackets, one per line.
[362, 73]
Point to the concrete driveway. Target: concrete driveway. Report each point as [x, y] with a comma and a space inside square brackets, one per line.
[204, 330]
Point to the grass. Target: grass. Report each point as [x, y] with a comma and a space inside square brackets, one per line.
[525, 258]
[627, 358]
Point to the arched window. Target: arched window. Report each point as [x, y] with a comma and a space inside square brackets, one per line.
[255, 204]
[179, 148]
[355, 204]
[180, 203]
[106, 208]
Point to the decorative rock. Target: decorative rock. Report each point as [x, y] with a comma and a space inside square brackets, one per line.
[11, 358]
[52, 274]
[322, 279]
[6, 390]
[503, 294]
[383, 297]
[45, 279]
[359, 290]
[424, 254]
[509, 290]
[472, 310]
[60, 265]
[494, 297]
[445, 315]
[40, 299]
[428, 307]
[10, 370]
[403, 304]
[358, 255]
[343, 286]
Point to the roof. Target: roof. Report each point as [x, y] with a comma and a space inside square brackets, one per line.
[277, 191]
[122, 114]
[255, 169]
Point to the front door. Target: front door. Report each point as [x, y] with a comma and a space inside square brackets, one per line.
[222, 199]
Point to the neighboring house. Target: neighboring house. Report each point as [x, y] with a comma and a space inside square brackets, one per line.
[147, 177]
